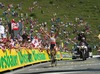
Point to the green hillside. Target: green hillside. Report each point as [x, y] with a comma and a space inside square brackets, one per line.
[66, 10]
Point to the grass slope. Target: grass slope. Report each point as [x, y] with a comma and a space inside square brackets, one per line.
[67, 10]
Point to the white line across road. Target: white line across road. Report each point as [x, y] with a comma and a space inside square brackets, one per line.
[63, 73]
[95, 56]
[68, 68]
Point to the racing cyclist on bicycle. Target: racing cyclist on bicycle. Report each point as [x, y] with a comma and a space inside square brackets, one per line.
[52, 38]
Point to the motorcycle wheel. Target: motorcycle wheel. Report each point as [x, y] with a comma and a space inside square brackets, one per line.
[83, 56]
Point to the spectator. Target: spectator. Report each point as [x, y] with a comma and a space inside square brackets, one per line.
[25, 37]
[2, 30]
[35, 42]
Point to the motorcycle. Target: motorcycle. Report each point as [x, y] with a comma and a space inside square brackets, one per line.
[80, 52]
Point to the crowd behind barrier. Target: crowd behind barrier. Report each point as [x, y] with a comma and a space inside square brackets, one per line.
[21, 32]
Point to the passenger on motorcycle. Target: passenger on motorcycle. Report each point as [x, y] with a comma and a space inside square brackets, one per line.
[81, 35]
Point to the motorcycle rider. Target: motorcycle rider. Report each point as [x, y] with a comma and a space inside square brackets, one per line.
[81, 35]
[83, 42]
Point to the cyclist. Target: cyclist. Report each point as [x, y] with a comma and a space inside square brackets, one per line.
[52, 37]
[52, 48]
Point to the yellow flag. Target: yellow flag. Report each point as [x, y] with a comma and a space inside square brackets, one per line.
[99, 36]
[62, 44]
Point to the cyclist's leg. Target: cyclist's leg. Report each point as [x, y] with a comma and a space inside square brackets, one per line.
[55, 61]
[52, 54]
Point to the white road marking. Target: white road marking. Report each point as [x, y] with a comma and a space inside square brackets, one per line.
[71, 67]
[96, 56]
[63, 73]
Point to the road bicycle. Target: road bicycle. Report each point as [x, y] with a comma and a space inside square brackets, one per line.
[53, 57]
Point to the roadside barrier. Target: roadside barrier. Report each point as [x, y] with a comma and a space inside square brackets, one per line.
[11, 59]
[14, 58]
[66, 55]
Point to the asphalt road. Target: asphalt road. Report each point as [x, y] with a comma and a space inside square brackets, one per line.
[90, 66]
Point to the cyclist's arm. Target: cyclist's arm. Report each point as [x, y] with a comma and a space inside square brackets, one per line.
[57, 32]
[45, 32]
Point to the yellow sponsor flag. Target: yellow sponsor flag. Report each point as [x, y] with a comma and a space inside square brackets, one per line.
[62, 44]
[99, 36]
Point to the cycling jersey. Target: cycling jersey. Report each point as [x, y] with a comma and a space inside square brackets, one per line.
[53, 40]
